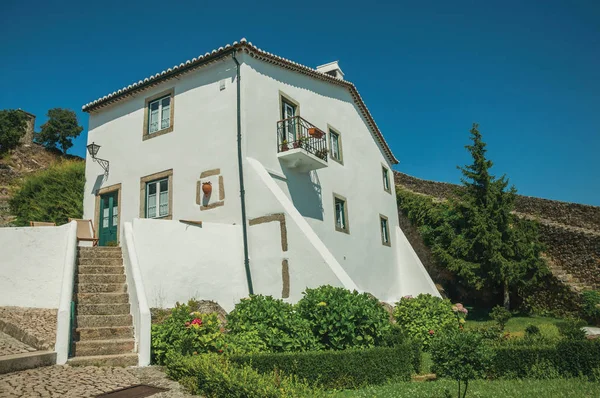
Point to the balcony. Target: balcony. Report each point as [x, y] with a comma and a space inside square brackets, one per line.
[301, 145]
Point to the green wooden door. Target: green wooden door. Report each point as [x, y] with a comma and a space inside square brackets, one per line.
[109, 219]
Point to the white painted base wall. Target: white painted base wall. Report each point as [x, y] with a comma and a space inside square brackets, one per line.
[180, 261]
[31, 265]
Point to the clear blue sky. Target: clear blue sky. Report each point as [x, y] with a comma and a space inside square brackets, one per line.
[527, 71]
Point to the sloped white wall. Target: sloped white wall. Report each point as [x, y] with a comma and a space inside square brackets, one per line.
[414, 278]
[31, 265]
[180, 261]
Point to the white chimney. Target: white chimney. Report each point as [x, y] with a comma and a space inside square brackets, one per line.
[331, 69]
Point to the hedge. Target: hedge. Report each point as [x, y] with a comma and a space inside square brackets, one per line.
[568, 358]
[341, 369]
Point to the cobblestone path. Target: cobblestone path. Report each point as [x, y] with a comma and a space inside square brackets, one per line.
[84, 381]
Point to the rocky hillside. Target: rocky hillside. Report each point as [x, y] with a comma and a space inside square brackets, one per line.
[24, 160]
[571, 232]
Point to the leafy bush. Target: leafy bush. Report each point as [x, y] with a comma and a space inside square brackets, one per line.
[422, 317]
[544, 370]
[591, 305]
[500, 315]
[242, 343]
[51, 195]
[186, 332]
[215, 376]
[341, 369]
[342, 319]
[549, 332]
[279, 326]
[13, 123]
[571, 329]
[461, 356]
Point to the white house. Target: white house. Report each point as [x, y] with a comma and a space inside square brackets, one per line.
[300, 180]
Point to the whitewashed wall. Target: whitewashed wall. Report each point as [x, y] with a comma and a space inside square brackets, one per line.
[203, 138]
[179, 261]
[31, 265]
[369, 263]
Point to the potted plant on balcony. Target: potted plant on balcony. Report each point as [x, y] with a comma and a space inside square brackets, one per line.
[321, 154]
[284, 146]
[315, 132]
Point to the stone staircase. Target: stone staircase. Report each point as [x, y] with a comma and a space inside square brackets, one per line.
[103, 333]
[574, 283]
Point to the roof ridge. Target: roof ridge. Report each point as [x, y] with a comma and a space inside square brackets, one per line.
[253, 51]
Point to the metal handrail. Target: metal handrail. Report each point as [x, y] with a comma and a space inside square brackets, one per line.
[305, 136]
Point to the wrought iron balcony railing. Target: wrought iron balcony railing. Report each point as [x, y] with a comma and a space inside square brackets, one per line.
[295, 132]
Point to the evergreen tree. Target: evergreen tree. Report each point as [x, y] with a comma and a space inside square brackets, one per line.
[60, 129]
[481, 240]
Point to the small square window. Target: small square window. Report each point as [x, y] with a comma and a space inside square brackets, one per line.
[385, 230]
[386, 179]
[340, 214]
[335, 145]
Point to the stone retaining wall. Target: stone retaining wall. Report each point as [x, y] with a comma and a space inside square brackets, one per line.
[570, 231]
[574, 214]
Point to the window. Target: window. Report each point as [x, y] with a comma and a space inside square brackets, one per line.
[385, 230]
[340, 214]
[159, 114]
[156, 195]
[386, 179]
[335, 145]
[157, 198]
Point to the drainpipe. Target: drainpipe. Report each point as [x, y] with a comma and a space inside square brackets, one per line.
[241, 175]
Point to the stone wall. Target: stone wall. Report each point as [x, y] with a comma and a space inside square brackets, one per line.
[570, 231]
[572, 214]
[27, 139]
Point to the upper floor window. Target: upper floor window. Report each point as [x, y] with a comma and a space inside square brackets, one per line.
[386, 179]
[341, 214]
[385, 230]
[158, 114]
[335, 145]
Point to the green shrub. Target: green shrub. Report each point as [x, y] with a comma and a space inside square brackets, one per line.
[279, 326]
[571, 329]
[549, 332]
[242, 343]
[490, 333]
[342, 319]
[341, 369]
[569, 358]
[215, 376]
[422, 317]
[544, 370]
[500, 315]
[186, 332]
[591, 305]
[51, 195]
[461, 356]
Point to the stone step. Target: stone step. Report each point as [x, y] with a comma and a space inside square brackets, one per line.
[99, 248]
[101, 278]
[103, 333]
[100, 261]
[91, 321]
[102, 309]
[101, 288]
[130, 359]
[100, 254]
[93, 269]
[101, 298]
[103, 347]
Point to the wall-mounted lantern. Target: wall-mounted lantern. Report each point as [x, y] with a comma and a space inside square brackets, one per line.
[93, 151]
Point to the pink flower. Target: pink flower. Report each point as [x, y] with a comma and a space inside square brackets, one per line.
[197, 321]
[408, 297]
[431, 332]
[187, 324]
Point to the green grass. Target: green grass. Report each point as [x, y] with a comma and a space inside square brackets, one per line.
[499, 388]
[515, 324]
